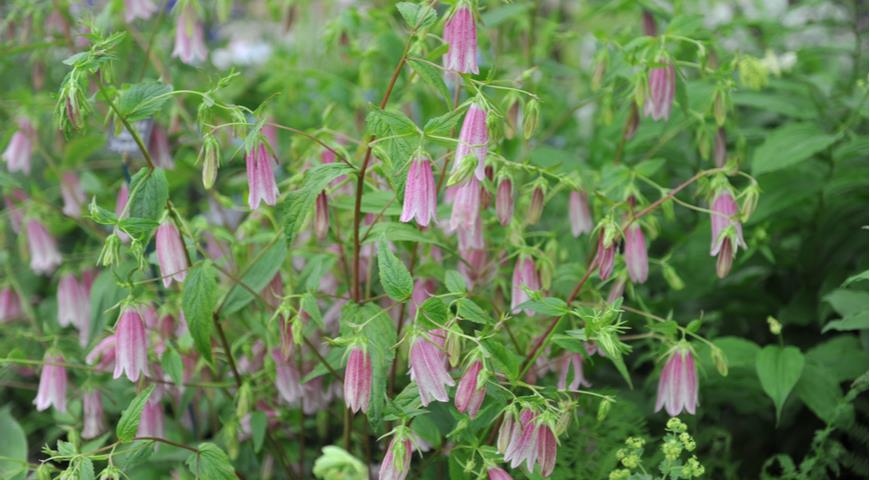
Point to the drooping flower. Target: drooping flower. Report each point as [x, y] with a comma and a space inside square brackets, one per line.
[14, 207]
[617, 289]
[10, 305]
[151, 421]
[720, 149]
[420, 194]
[104, 353]
[428, 370]
[660, 97]
[496, 473]
[678, 383]
[578, 213]
[321, 216]
[20, 148]
[536, 206]
[604, 257]
[73, 195]
[170, 253]
[525, 275]
[358, 380]
[397, 461]
[120, 203]
[505, 432]
[131, 346]
[635, 254]
[288, 381]
[546, 455]
[504, 201]
[92, 414]
[261, 177]
[52, 384]
[158, 146]
[469, 394]
[423, 289]
[473, 139]
[471, 238]
[523, 447]
[134, 9]
[73, 305]
[189, 39]
[649, 24]
[466, 205]
[460, 34]
[726, 231]
[44, 256]
[571, 363]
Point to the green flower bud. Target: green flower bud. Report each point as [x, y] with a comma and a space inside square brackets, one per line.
[532, 113]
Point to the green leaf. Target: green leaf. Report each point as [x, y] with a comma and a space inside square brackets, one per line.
[789, 145]
[172, 365]
[433, 311]
[819, 391]
[852, 307]
[129, 422]
[336, 463]
[471, 311]
[431, 75]
[198, 303]
[442, 125]
[779, 369]
[13, 446]
[395, 279]
[149, 192]
[505, 360]
[210, 463]
[398, 232]
[140, 101]
[259, 421]
[86, 469]
[257, 276]
[455, 281]
[416, 16]
[550, 306]
[294, 208]
[380, 334]
[843, 357]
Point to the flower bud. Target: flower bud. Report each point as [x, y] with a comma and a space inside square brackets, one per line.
[208, 155]
[111, 252]
[536, 206]
[530, 121]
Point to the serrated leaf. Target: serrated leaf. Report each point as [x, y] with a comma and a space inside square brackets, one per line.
[443, 125]
[129, 422]
[819, 390]
[394, 276]
[142, 100]
[416, 16]
[149, 192]
[430, 75]
[454, 281]
[13, 446]
[468, 310]
[257, 276]
[198, 303]
[550, 306]
[779, 369]
[504, 360]
[380, 334]
[172, 365]
[211, 463]
[259, 421]
[433, 312]
[295, 206]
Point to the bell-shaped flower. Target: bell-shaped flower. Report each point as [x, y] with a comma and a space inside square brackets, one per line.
[678, 383]
[420, 194]
[460, 34]
[52, 384]
[131, 345]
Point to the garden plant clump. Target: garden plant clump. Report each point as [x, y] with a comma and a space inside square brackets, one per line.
[464, 239]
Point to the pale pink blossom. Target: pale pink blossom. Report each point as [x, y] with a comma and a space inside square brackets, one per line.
[473, 139]
[189, 39]
[428, 368]
[131, 346]
[420, 194]
[170, 253]
[20, 148]
[470, 394]
[504, 201]
[578, 213]
[678, 383]
[660, 94]
[10, 305]
[635, 254]
[525, 275]
[397, 461]
[92, 414]
[460, 34]
[261, 177]
[73, 195]
[288, 381]
[44, 255]
[151, 421]
[358, 380]
[726, 231]
[466, 205]
[52, 384]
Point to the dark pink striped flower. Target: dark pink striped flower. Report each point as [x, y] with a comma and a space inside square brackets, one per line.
[635, 254]
[20, 148]
[44, 256]
[546, 456]
[420, 195]
[10, 304]
[120, 205]
[358, 380]
[466, 205]
[73, 195]
[428, 369]
[496, 473]
[678, 383]
[578, 213]
[151, 421]
[261, 177]
[104, 353]
[604, 257]
[397, 461]
[536, 206]
[469, 393]
[170, 253]
[660, 97]
[525, 275]
[571, 363]
[504, 201]
[74, 306]
[473, 139]
[131, 346]
[92, 414]
[523, 447]
[321, 216]
[189, 40]
[460, 34]
[726, 231]
[52, 384]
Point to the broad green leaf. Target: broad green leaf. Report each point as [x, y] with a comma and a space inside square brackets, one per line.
[417, 15]
[337, 464]
[259, 421]
[129, 422]
[380, 334]
[142, 100]
[843, 357]
[149, 192]
[779, 369]
[789, 145]
[852, 307]
[13, 446]
[739, 351]
[506, 361]
[172, 365]
[198, 303]
[433, 311]
[819, 390]
[395, 279]
[257, 276]
[454, 281]
[293, 209]
[468, 310]
[210, 463]
[550, 306]
[443, 125]
[431, 75]
[398, 232]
